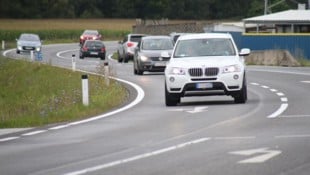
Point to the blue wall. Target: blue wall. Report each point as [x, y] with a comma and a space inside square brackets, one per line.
[297, 44]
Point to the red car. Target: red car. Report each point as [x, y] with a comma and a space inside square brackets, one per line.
[90, 35]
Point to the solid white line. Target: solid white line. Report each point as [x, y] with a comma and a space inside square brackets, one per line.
[59, 53]
[282, 108]
[34, 133]
[138, 157]
[280, 94]
[58, 127]
[8, 139]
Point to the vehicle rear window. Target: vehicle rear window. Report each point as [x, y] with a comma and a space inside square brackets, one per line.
[136, 38]
[204, 47]
[157, 44]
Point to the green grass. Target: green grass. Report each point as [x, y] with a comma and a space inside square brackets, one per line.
[34, 94]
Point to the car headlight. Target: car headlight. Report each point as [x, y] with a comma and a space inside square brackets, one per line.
[38, 49]
[144, 58]
[177, 71]
[232, 68]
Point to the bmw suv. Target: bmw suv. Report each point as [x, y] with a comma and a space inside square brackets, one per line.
[205, 64]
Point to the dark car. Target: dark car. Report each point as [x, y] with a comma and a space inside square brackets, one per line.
[126, 47]
[90, 35]
[148, 54]
[93, 48]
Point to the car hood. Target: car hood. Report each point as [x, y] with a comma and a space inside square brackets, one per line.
[29, 43]
[209, 61]
[154, 53]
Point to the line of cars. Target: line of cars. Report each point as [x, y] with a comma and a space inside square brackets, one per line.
[194, 64]
[91, 44]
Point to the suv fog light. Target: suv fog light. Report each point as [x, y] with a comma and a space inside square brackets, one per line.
[236, 77]
[171, 79]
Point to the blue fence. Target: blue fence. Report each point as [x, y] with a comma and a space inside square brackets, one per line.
[297, 44]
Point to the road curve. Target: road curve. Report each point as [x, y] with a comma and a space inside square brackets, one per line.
[210, 135]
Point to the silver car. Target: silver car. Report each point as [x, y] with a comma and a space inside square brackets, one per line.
[28, 42]
[148, 54]
[126, 47]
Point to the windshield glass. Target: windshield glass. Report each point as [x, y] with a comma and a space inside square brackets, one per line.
[26, 37]
[204, 47]
[157, 44]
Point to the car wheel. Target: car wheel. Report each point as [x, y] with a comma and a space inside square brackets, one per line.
[17, 51]
[135, 72]
[103, 57]
[171, 99]
[81, 57]
[119, 58]
[126, 58]
[242, 95]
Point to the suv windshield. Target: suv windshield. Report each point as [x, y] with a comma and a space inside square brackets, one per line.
[157, 44]
[204, 47]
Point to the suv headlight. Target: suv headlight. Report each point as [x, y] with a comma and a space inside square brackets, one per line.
[232, 68]
[177, 71]
[144, 58]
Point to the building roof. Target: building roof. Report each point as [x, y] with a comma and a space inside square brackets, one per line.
[284, 17]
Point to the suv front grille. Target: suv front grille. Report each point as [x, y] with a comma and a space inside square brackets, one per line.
[195, 72]
[198, 72]
[212, 71]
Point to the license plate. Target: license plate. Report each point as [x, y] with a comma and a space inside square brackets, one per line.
[94, 53]
[160, 64]
[204, 85]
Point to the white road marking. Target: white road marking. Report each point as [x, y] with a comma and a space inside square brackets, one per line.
[58, 54]
[305, 82]
[295, 116]
[266, 155]
[273, 90]
[265, 87]
[282, 108]
[196, 109]
[255, 84]
[138, 157]
[280, 94]
[58, 127]
[8, 139]
[284, 99]
[293, 136]
[234, 138]
[34, 133]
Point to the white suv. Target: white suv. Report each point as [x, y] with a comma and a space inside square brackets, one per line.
[205, 64]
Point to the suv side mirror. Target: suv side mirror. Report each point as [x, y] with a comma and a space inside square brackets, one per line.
[245, 52]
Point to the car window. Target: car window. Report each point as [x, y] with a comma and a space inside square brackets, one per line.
[94, 44]
[204, 47]
[136, 38]
[29, 38]
[87, 32]
[157, 44]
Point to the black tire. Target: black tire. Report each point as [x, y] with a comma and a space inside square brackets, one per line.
[17, 51]
[119, 58]
[103, 57]
[126, 59]
[81, 57]
[171, 99]
[242, 95]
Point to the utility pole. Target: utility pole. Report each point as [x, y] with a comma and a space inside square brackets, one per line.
[266, 7]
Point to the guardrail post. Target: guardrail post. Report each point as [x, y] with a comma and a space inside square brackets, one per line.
[32, 55]
[73, 62]
[3, 45]
[106, 73]
[85, 90]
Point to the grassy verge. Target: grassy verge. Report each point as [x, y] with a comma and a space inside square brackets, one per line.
[33, 94]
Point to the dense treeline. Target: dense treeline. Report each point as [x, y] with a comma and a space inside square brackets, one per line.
[145, 9]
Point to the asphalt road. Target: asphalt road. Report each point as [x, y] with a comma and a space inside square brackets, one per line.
[269, 135]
